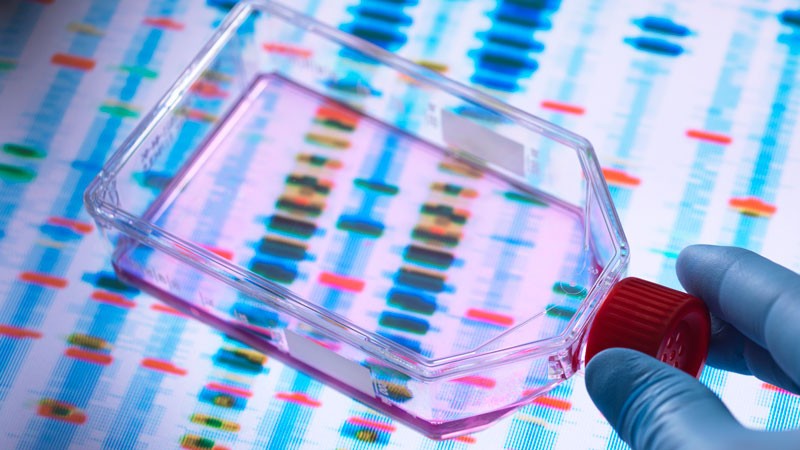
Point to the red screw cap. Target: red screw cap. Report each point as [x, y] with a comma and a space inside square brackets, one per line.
[670, 325]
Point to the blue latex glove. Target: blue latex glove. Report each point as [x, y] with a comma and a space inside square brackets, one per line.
[755, 307]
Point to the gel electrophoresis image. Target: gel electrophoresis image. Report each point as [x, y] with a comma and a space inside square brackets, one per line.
[689, 106]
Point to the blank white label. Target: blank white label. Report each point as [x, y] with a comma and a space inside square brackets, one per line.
[474, 139]
[348, 372]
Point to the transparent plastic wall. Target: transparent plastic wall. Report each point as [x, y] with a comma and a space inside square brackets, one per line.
[258, 43]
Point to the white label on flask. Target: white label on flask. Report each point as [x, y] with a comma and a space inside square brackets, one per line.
[476, 140]
[326, 361]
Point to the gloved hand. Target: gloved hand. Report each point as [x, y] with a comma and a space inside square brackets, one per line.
[755, 308]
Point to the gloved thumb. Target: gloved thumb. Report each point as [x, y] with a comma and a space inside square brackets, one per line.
[654, 406]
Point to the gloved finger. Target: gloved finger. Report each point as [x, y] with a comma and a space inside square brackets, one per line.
[758, 297]
[653, 406]
[732, 351]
